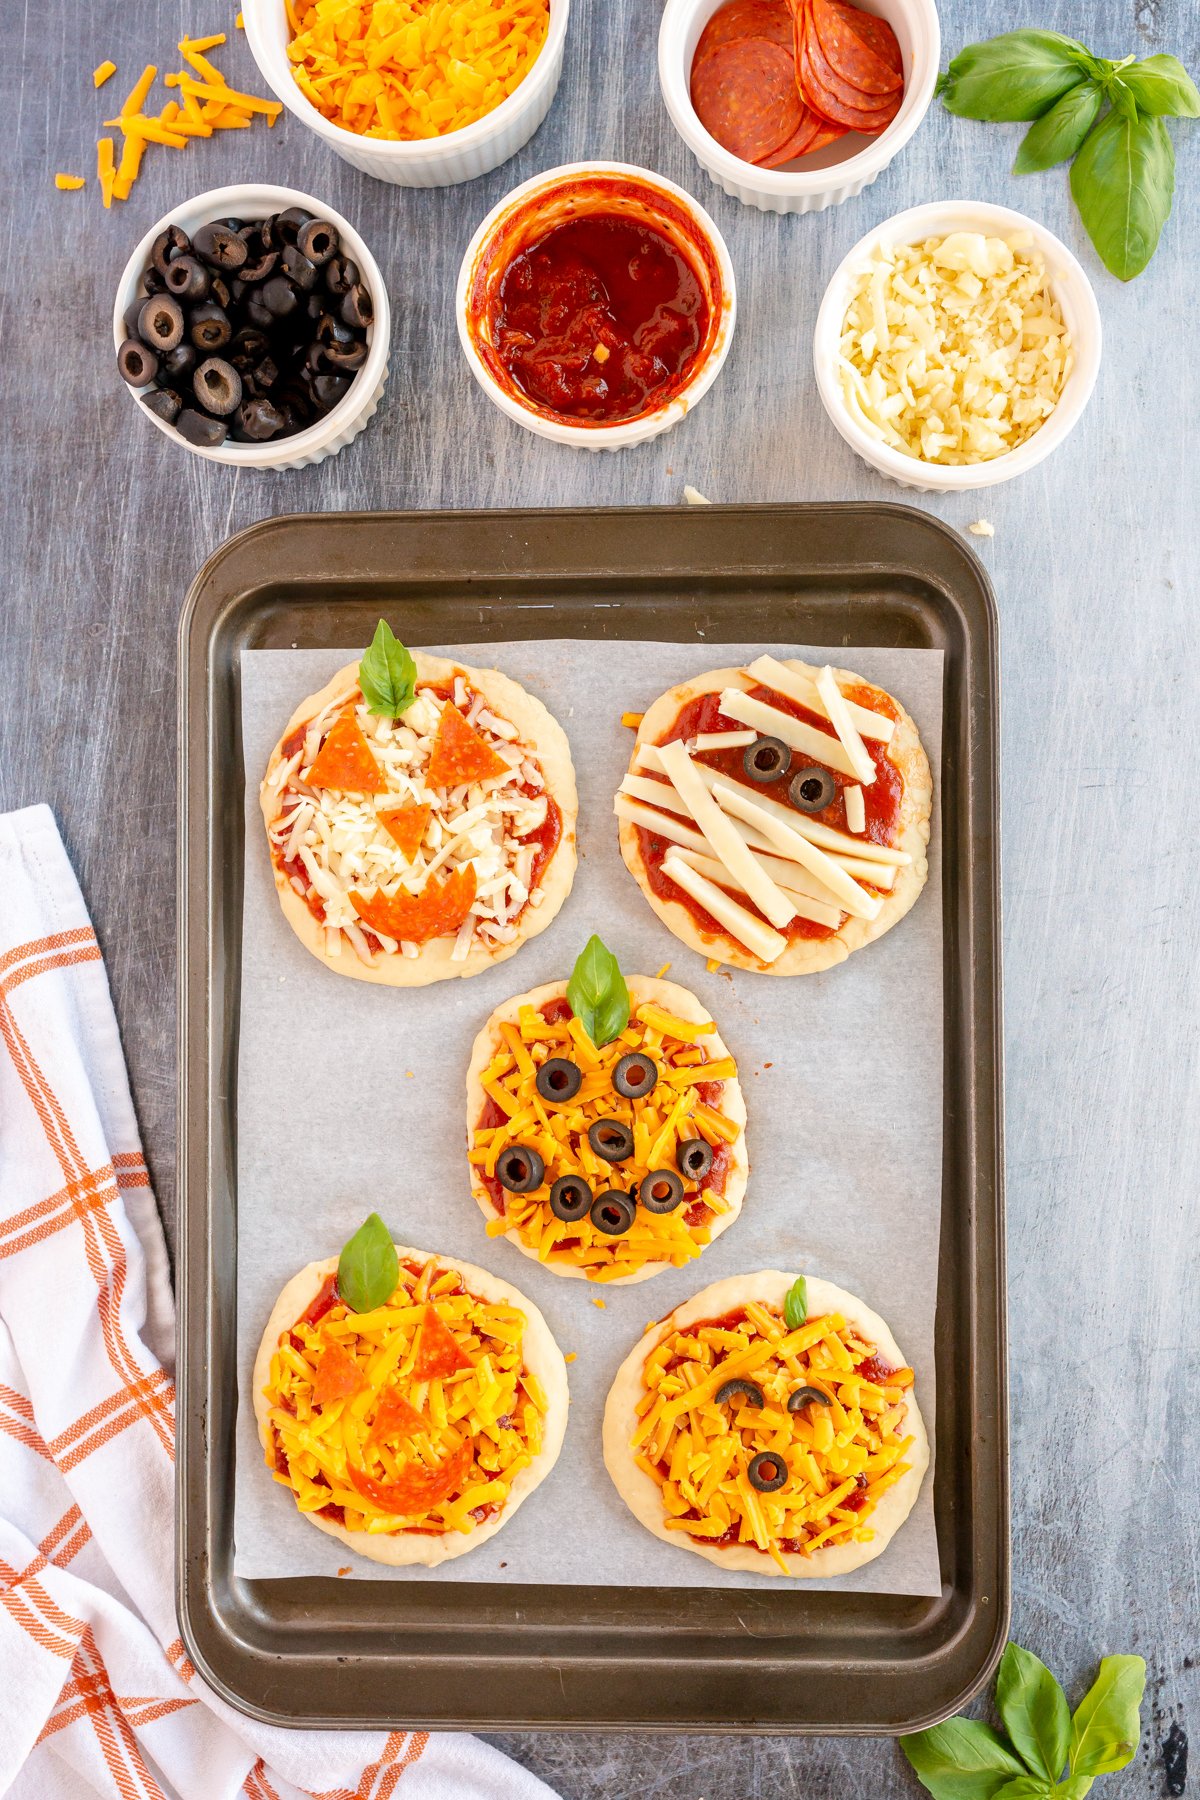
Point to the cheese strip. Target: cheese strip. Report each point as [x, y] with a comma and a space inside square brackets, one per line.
[848, 892]
[749, 931]
[799, 688]
[728, 845]
[793, 732]
[674, 830]
[806, 908]
[856, 809]
[880, 875]
[655, 793]
[724, 740]
[843, 724]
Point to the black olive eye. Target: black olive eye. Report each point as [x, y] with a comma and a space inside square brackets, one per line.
[767, 1471]
[804, 1396]
[750, 1391]
[519, 1169]
[612, 1212]
[570, 1198]
[559, 1079]
[767, 760]
[635, 1075]
[694, 1158]
[661, 1192]
[611, 1140]
[812, 790]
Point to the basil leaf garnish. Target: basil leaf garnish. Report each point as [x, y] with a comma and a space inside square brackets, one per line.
[961, 1760]
[387, 674]
[795, 1305]
[1057, 135]
[1033, 1710]
[1018, 75]
[1107, 1726]
[1026, 1787]
[1123, 182]
[1161, 85]
[597, 993]
[368, 1268]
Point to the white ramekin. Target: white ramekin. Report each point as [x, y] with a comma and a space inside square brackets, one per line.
[1072, 290]
[422, 162]
[633, 431]
[340, 426]
[843, 168]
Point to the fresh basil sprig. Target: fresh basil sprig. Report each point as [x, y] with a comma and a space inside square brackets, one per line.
[1015, 76]
[1123, 182]
[795, 1304]
[597, 993]
[1047, 1754]
[387, 674]
[368, 1268]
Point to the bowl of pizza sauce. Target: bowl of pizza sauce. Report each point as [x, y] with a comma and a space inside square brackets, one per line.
[596, 305]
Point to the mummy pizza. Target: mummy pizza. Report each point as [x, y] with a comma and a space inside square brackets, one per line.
[776, 817]
[605, 1124]
[420, 816]
[410, 1402]
[768, 1424]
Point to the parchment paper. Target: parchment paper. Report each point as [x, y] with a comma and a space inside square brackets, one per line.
[351, 1098]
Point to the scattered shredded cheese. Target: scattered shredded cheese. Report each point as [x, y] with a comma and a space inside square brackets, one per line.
[981, 528]
[101, 75]
[68, 184]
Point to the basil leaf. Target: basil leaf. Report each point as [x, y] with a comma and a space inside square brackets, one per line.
[795, 1305]
[1123, 180]
[1122, 100]
[387, 674]
[1057, 135]
[1033, 1710]
[1018, 75]
[1161, 84]
[1073, 1788]
[597, 993]
[961, 1760]
[368, 1268]
[1026, 1787]
[1107, 1725]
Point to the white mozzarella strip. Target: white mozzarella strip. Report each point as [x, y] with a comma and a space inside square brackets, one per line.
[843, 724]
[674, 830]
[655, 793]
[880, 875]
[856, 809]
[770, 673]
[724, 740]
[728, 845]
[848, 893]
[806, 907]
[789, 875]
[794, 732]
[740, 924]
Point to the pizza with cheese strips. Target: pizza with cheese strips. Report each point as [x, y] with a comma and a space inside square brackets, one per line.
[413, 848]
[609, 1163]
[776, 816]
[414, 1431]
[784, 1451]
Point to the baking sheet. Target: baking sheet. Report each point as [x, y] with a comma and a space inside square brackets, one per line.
[844, 1132]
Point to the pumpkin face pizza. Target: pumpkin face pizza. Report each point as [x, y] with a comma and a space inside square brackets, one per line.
[605, 1124]
[768, 1424]
[776, 817]
[413, 1427]
[420, 816]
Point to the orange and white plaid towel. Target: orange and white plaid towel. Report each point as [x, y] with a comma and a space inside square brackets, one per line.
[97, 1694]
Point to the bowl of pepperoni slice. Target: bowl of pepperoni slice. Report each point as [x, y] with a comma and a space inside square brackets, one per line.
[796, 105]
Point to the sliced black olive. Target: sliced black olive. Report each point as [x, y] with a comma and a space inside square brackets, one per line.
[289, 223]
[803, 1396]
[137, 363]
[167, 246]
[257, 314]
[296, 266]
[332, 331]
[218, 386]
[129, 317]
[519, 1169]
[635, 1075]
[220, 247]
[329, 390]
[558, 1078]
[160, 322]
[570, 1198]
[812, 790]
[165, 402]
[341, 275]
[248, 347]
[188, 279]
[209, 327]
[259, 419]
[178, 363]
[153, 281]
[344, 358]
[318, 240]
[767, 1471]
[201, 428]
[661, 1192]
[611, 1140]
[258, 270]
[767, 759]
[749, 1389]
[279, 297]
[357, 307]
[613, 1212]
[694, 1158]
[218, 290]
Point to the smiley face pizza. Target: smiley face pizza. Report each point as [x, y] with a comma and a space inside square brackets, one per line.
[420, 816]
[776, 816]
[768, 1424]
[605, 1124]
[412, 1409]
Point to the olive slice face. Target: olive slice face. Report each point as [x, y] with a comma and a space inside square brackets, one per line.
[611, 1140]
[695, 1158]
[750, 1391]
[661, 1192]
[803, 1396]
[570, 1198]
[613, 1212]
[812, 790]
[635, 1075]
[519, 1169]
[767, 760]
[558, 1079]
[767, 1471]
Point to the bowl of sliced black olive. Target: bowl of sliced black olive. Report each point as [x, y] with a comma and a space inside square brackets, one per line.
[252, 325]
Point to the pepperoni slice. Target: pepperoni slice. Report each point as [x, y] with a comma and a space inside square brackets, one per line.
[460, 754]
[438, 910]
[407, 825]
[745, 96]
[852, 57]
[344, 761]
[396, 1417]
[770, 19]
[338, 1376]
[831, 108]
[416, 1489]
[827, 77]
[812, 134]
[876, 33]
[438, 1353]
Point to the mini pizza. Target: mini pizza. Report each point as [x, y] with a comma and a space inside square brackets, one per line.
[776, 817]
[412, 1430]
[606, 1150]
[768, 1424]
[420, 826]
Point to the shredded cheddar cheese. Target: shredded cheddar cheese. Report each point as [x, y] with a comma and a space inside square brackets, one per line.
[101, 75]
[67, 184]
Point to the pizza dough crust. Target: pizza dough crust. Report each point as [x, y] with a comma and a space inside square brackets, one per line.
[642, 988]
[542, 1356]
[641, 1494]
[539, 728]
[803, 956]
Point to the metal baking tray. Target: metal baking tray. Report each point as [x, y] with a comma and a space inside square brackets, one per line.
[487, 1657]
